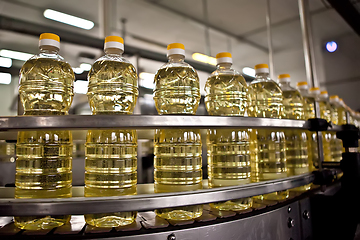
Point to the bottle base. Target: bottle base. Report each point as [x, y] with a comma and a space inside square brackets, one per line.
[41, 223]
[234, 205]
[110, 220]
[280, 195]
[302, 188]
[180, 213]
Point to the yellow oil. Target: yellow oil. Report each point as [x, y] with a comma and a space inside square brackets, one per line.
[296, 140]
[228, 150]
[111, 155]
[270, 163]
[44, 158]
[177, 160]
[335, 143]
[325, 113]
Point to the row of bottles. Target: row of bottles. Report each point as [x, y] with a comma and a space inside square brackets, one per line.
[235, 156]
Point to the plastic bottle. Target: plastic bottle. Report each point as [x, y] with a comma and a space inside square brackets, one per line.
[325, 113]
[267, 102]
[296, 140]
[338, 113]
[44, 158]
[309, 110]
[177, 152]
[111, 155]
[228, 150]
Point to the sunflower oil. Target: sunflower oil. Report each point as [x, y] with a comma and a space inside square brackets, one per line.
[325, 113]
[267, 102]
[177, 152]
[111, 155]
[296, 140]
[44, 158]
[309, 111]
[228, 150]
[336, 144]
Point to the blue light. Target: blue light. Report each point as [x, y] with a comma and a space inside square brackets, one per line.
[331, 46]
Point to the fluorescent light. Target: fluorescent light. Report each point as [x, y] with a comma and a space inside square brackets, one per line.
[331, 46]
[85, 66]
[5, 62]
[68, 19]
[204, 58]
[249, 71]
[78, 70]
[5, 78]
[15, 55]
[146, 80]
[81, 86]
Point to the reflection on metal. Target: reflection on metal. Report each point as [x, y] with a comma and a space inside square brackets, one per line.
[143, 122]
[146, 200]
[7, 152]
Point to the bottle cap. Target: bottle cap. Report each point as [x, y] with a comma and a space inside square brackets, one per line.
[284, 78]
[261, 68]
[114, 42]
[302, 85]
[334, 99]
[175, 48]
[315, 90]
[324, 94]
[223, 57]
[49, 39]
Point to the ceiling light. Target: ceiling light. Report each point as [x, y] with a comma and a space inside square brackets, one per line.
[5, 78]
[204, 58]
[147, 80]
[249, 71]
[5, 62]
[68, 19]
[78, 70]
[85, 66]
[15, 55]
[81, 86]
[331, 46]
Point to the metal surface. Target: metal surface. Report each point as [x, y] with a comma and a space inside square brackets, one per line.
[144, 202]
[269, 39]
[305, 218]
[142, 122]
[266, 226]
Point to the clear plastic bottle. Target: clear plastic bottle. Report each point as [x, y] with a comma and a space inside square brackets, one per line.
[336, 144]
[44, 158]
[309, 110]
[111, 155]
[177, 152]
[296, 140]
[228, 150]
[325, 113]
[267, 102]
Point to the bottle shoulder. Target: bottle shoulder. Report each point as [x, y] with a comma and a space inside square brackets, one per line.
[113, 58]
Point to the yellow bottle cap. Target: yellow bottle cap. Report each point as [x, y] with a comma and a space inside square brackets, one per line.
[302, 84]
[334, 97]
[284, 78]
[314, 89]
[114, 42]
[323, 92]
[223, 57]
[261, 68]
[175, 48]
[49, 39]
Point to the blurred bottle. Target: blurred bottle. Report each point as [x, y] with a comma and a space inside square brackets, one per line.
[338, 118]
[111, 155]
[228, 150]
[44, 158]
[296, 140]
[309, 110]
[325, 113]
[177, 152]
[267, 102]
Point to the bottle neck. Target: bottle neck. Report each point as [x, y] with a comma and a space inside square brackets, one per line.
[224, 66]
[49, 50]
[113, 51]
[262, 75]
[176, 58]
[284, 84]
[304, 92]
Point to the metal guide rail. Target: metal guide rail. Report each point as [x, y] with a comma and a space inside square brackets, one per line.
[144, 201]
[73, 122]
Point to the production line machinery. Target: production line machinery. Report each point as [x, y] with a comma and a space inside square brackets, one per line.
[327, 211]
